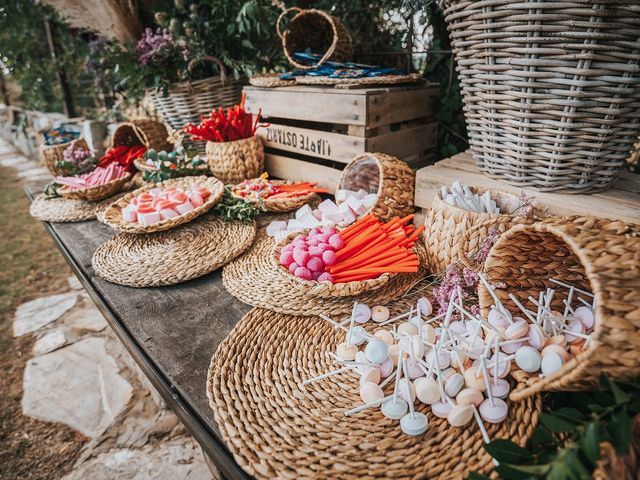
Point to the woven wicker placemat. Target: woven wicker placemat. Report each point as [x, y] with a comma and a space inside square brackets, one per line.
[61, 209]
[172, 256]
[276, 429]
[364, 81]
[256, 279]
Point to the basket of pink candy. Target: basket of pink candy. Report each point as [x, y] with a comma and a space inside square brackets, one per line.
[164, 205]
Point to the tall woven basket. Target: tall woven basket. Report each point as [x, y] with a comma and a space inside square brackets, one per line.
[317, 31]
[142, 131]
[391, 179]
[447, 225]
[186, 101]
[598, 255]
[50, 155]
[551, 89]
[233, 162]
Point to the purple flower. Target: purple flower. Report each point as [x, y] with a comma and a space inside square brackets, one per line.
[151, 45]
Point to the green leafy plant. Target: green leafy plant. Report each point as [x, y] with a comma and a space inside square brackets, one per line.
[175, 164]
[231, 208]
[566, 443]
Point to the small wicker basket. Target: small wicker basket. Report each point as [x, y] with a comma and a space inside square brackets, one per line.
[391, 179]
[447, 224]
[52, 154]
[327, 289]
[317, 31]
[233, 162]
[142, 131]
[99, 192]
[186, 101]
[598, 255]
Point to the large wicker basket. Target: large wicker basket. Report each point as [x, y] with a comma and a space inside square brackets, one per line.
[551, 89]
[142, 131]
[391, 179]
[186, 101]
[447, 224]
[317, 31]
[233, 162]
[598, 255]
[52, 154]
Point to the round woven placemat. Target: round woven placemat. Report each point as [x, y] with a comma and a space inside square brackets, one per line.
[255, 279]
[61, 209]
[173, 256]
[276, 429]
[270, 80]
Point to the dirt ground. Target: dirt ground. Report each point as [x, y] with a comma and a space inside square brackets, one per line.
[30, 267]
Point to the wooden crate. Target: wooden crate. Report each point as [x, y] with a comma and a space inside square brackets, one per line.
[315, 131]
[620, 202]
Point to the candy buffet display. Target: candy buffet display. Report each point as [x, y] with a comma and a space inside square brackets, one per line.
[456, 362]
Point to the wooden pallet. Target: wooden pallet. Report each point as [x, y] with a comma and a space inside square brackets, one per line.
[621, 201]
[315, 131]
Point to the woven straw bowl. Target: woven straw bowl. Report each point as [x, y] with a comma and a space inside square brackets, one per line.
[113, 215]
[598, 255]
[282, 205]
[328, 289]
[99, 192]
[551, 89]
[50, 155]
[270, 80]
[446, 225]
[389, 177]
[318, 31]
[141, 166]
[380, 80]
[233, 162]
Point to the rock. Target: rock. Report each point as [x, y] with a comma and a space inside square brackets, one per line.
[79, 385]
[178, 459]
[50, 342]
[37, 313]
[74, 283]
[87, 318]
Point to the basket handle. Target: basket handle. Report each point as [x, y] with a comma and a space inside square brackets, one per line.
[211, 58]
[292, 9]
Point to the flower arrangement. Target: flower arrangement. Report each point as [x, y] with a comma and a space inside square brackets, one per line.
[220, 126]
[76, 160]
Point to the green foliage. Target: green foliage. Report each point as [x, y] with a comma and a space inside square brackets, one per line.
[231, 208]
[179, 163]
[566, 443]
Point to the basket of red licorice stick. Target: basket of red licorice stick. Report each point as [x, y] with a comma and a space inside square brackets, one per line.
[362, 257]
[234, 151]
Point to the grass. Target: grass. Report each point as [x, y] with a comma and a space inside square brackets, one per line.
[30, 267]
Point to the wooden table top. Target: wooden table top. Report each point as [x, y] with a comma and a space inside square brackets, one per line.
[171, 332]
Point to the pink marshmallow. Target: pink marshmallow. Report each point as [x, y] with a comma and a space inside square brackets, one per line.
[303, 273]
[184, 208]
[167, 213]
[129, 215]
[315, 264]
[329, 258]
[196, 199]
[146, 219]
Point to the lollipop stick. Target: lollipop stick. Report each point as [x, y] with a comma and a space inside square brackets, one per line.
[326, 375]
[406, 376]
[362, 407]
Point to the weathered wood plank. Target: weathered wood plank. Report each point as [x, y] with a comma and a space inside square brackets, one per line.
[300, 170]
[621, 201]
[404, 142]
[404, 105]
[317, 143]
